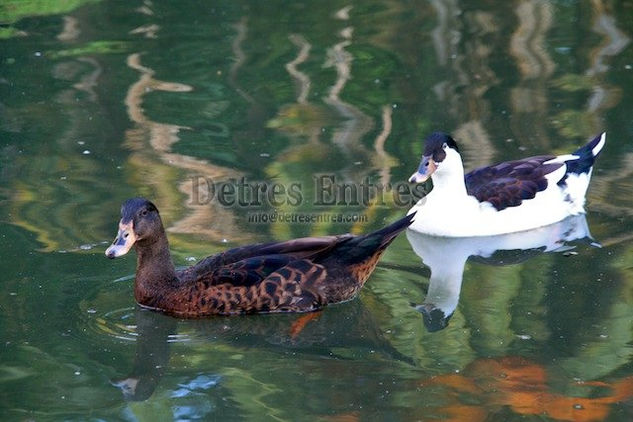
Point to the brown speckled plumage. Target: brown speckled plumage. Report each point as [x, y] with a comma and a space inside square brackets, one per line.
[298, 275]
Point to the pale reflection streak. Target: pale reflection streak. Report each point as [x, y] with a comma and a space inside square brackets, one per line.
[529, 101]
[356, 123]
[445, 37]
[527, 44]
[384, 161]
[470, 72]
[89, 82]
[241, 31]
[148, 31]
[305, 121]
[209, 220]
[303, 80]
[70, 30]
[146, 8]
[614, 42]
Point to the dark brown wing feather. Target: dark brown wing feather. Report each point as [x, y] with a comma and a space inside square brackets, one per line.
[294, 287]
[248, 271]
[266, 253]
[509, 184]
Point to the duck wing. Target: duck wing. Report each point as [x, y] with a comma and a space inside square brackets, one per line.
[252, 261]
[246, 272]
[255, 285]
[510, 183]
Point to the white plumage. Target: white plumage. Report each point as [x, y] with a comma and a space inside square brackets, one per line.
[503, 198]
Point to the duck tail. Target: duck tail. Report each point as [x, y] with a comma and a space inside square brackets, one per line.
[358, 248]
[389, 233]
[587, 155]
[360, 254]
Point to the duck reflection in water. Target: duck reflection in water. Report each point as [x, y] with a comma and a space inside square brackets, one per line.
[349, 328]
[446, 258]
[151, 357]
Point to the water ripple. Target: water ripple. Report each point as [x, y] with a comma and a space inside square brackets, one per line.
[117, 323]
[123, 324]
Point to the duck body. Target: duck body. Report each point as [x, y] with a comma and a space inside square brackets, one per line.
[504, 198]
[300, 275]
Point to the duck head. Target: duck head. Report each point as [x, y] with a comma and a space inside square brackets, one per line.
[439, 150]
[140, 223]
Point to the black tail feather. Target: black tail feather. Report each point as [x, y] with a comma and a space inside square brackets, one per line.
[359, 248]
[587, 156]
[391, 231]
[355, 249]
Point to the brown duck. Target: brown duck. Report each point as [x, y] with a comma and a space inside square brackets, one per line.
[298, 275]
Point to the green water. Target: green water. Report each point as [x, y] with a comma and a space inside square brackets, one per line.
[104, 100]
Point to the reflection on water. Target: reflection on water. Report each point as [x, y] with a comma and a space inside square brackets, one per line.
[101, 101]
[315, 334]
[152, 355]
[446, 258]
[523, 386]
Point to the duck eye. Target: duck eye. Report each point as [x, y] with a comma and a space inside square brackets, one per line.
[144, 213]
[445, 145]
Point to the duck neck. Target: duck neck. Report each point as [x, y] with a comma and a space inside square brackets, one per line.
[155, 272]
[450, 179]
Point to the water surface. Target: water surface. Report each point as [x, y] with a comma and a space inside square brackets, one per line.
[104, 100]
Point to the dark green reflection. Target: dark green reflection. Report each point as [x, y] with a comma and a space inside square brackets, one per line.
[101, 101]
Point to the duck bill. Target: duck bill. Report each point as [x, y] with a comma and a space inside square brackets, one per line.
[127, 386]
[426, 169]
[124, 241]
